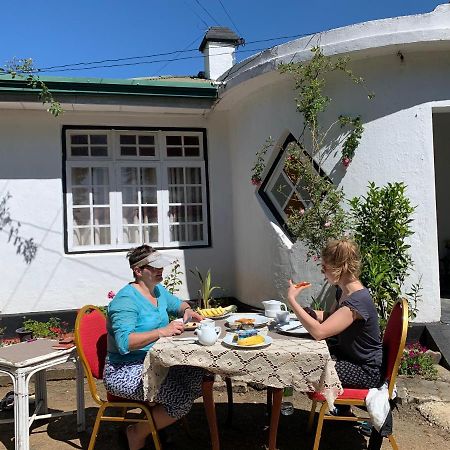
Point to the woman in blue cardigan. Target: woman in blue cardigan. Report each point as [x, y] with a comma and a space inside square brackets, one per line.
[137, 317]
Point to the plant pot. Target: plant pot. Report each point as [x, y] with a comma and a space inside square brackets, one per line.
[24, 335]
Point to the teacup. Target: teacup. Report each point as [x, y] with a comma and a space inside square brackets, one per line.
[282, 316]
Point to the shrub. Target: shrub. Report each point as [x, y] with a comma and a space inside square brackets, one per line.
[416, 362]
[52, 328]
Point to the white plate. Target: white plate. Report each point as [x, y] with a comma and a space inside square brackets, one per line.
[293, 327]
[228, 341]
[259, 319]
[218, 317]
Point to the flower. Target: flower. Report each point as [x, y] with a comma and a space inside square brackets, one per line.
[346, 161]
[327, 224]
[256, 181]
[301, 211]
[111, 294]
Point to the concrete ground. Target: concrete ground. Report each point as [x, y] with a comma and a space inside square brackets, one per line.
[422, 421]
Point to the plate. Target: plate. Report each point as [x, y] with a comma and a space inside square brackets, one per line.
[294, 327]
[228, 342]
[218, 317]
[190, 326]
[260, 320]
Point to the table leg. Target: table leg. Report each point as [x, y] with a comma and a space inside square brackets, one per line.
[21, 414]
[269, 402]
[277, 395]
[40, 390]
[81, 415]
[229, 384]
[210, 409]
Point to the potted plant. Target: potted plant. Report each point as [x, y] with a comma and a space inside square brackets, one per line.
[206, 290]
[52, 328]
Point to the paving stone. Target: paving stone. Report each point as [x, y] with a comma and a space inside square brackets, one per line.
[437, 413]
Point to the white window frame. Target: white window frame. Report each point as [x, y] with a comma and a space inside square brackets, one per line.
[114, 161]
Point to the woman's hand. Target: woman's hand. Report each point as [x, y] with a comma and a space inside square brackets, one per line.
[294, 290]
[175, 327]
[191, 316]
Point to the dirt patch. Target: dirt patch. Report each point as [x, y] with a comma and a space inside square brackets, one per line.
[248, 431]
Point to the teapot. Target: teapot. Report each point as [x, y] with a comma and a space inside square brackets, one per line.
[207, 335]
[272, 306]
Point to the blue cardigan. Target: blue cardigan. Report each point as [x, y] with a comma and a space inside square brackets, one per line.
[130, 312]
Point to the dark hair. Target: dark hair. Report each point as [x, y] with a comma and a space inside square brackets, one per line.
[138, 253]
[343, 257]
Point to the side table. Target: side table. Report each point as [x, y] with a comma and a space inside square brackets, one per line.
[20, 362]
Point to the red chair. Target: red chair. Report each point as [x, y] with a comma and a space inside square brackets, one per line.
[393, 344]
[90, 339]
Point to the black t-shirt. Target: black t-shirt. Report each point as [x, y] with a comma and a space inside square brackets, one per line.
[361, 342]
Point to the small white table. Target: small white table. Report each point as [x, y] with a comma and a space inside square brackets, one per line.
[20, 362]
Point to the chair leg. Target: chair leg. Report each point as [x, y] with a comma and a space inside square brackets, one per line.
[153, 430]
[101, 410]
[311, 415]
[393, 442]
[319, 426]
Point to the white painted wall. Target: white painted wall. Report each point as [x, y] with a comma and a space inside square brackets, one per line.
[31, 169]
[218, 58]
[397, 146]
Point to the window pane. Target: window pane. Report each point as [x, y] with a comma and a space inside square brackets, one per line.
[81, 236]
[131, 235]
[127, 139]
[281, 190]
[194, 214]
[80, 196]
[80, 151]
[191, 152]
[174, 152]
[102, 236]
[176, 214]
[149, 195]
[80, 176]
[130, 215]
[177, 233]
[150, 234]
[194, 194]
[147, 140]
[101, 216]
[79, 139]
[193, 175]
[173, 140]
[128, 151]
[148, 175]
[303, 193]
[176, 175]
[100, 196]
[81, 216]
[129, 175]
[147, 151]
[100, 176]
[130, 195]
[99, 151]
[195, 232]
[191, 140]
[176, 194]
[99, 139]
[149, 214]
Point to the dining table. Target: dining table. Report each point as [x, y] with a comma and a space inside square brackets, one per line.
[290, 359]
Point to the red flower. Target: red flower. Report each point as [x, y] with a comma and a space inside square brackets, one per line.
[256, 181]
[111, 294]
[346, 161]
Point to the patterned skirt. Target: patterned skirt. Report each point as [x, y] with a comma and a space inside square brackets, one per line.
[177, 393]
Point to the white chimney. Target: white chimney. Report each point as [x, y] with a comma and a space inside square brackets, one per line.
[218, 48]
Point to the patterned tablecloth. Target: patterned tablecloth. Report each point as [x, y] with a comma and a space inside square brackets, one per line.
[302, 363]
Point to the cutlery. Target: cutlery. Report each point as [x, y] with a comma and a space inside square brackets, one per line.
[293, 328]
[193, 339]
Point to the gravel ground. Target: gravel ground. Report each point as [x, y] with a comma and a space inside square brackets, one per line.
[248, 431]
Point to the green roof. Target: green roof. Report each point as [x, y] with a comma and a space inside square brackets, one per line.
[164, 87]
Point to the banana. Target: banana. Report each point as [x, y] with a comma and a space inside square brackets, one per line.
[214, 312]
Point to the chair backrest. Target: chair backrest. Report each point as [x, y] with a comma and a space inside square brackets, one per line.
[394, 340]
[91, 342]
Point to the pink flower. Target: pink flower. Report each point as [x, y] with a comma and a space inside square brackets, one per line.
[301, 211]
[111, 294]
[315, 258]
[327, 224]
[256, 181]
[346, 161]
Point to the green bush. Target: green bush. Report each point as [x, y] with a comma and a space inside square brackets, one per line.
[381, 224]
[52, 328]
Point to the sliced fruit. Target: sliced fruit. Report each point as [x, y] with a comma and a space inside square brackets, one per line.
[252, 340]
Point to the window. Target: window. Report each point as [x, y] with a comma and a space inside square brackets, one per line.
[280, 190]
[126, 187]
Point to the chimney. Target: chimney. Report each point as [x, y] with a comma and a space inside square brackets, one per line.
[218, 47]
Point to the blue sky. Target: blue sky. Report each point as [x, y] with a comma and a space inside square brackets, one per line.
[55, 32]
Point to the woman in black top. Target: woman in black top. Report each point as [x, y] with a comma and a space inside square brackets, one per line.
[353, 319]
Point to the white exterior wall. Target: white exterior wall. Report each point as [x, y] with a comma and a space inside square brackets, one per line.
[218, 58]
[31, 169]
[397, 145]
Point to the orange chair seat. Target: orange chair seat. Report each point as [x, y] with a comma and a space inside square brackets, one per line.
[348, 394]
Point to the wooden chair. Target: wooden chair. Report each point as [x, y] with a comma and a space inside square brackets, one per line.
[393, 344]
[91, 339]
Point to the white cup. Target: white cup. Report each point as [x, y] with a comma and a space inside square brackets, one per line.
[282, 316]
